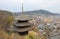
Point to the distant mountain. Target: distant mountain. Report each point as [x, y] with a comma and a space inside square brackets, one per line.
[37, 12]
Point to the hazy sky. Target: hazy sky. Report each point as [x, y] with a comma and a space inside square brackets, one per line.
[15, 5]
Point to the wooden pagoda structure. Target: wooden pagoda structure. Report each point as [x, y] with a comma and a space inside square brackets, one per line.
[22, 24]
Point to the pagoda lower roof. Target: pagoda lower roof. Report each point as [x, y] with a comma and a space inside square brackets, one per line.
[23, 29]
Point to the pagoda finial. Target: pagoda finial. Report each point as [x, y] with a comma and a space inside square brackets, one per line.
[22, 8]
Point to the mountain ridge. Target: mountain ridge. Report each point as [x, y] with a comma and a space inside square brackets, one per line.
[41, 11]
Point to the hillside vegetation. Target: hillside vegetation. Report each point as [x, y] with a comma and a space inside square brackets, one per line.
[4, 19]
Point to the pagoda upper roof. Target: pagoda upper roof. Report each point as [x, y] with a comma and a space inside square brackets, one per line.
[23, 17]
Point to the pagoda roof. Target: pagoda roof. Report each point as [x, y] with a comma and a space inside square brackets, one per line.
[23, 24]
[24, 29]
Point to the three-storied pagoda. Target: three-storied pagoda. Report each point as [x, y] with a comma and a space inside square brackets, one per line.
[22, 24]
